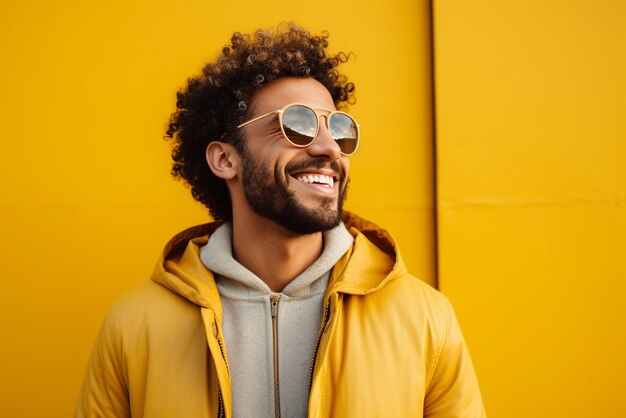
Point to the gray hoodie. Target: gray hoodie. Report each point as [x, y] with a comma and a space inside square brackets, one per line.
[248, 329]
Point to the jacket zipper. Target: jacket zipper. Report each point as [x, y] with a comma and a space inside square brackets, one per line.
[274, 300]
[220, 411]
[323, 325]
[220, 400]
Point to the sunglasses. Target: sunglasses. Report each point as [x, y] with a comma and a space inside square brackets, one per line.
[300, 126]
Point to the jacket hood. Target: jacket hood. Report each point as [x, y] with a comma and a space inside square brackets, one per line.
[372, 261]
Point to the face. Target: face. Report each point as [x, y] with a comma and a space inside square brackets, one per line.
[301, 189]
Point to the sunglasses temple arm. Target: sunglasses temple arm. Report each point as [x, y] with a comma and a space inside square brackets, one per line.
[258, 118]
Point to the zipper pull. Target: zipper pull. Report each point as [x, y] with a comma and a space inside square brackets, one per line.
[274, 300]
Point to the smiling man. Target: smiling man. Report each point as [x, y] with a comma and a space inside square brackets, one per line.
[285, 306]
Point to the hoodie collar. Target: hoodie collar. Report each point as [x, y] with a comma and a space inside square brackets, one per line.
[372, 261]
[237, 281]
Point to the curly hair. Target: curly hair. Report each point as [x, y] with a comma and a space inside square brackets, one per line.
[215, 102]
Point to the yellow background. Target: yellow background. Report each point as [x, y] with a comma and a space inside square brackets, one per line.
[529, 233]
[87, 201]
[531, 198]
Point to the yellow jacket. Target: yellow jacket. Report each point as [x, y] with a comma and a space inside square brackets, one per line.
[389, 345]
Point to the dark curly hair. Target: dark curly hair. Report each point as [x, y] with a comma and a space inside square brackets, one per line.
[216, 101]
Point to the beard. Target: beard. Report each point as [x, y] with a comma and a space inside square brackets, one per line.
[269, 196]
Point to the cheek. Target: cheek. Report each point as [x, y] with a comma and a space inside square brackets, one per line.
[345, 166]
[280, 165]
[271, 154]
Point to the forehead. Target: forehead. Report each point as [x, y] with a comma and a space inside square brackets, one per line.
[284, 91]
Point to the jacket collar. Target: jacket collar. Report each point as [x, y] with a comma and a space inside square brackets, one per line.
[373, 260]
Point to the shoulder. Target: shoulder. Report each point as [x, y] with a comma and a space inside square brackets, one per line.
[146, 298]
[412, 311]
[150, 309]
[412, 293]
[405, 307]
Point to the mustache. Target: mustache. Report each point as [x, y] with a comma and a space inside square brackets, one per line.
[316, 163]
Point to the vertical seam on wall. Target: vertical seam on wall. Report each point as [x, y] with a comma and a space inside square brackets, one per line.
[434, 141]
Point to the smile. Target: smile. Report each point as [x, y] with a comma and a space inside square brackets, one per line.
[321, 179]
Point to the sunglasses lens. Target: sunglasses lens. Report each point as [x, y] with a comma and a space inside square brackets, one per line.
[300, 124]
[345, 131]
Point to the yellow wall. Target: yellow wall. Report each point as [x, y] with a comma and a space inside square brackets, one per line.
[531, 179]
[531, 171]
[87, 201]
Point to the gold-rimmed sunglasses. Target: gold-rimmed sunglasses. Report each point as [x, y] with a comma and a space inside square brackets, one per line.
[300, 126]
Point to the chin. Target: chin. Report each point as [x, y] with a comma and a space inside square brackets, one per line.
[310, 220]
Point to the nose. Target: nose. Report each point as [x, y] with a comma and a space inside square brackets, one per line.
[324, 144]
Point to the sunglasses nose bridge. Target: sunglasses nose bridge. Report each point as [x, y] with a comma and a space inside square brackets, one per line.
[324, 143]
[321, 124]
[326, 117]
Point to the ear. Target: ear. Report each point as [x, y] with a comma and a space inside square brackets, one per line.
[223, 159]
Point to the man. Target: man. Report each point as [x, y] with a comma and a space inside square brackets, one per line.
[285, 306]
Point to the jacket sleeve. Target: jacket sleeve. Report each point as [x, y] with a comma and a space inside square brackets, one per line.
[104, 392]
[453, 390]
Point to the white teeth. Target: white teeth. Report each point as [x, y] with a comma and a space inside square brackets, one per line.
[327, 181]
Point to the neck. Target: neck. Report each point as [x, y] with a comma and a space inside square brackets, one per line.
[271, 252]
